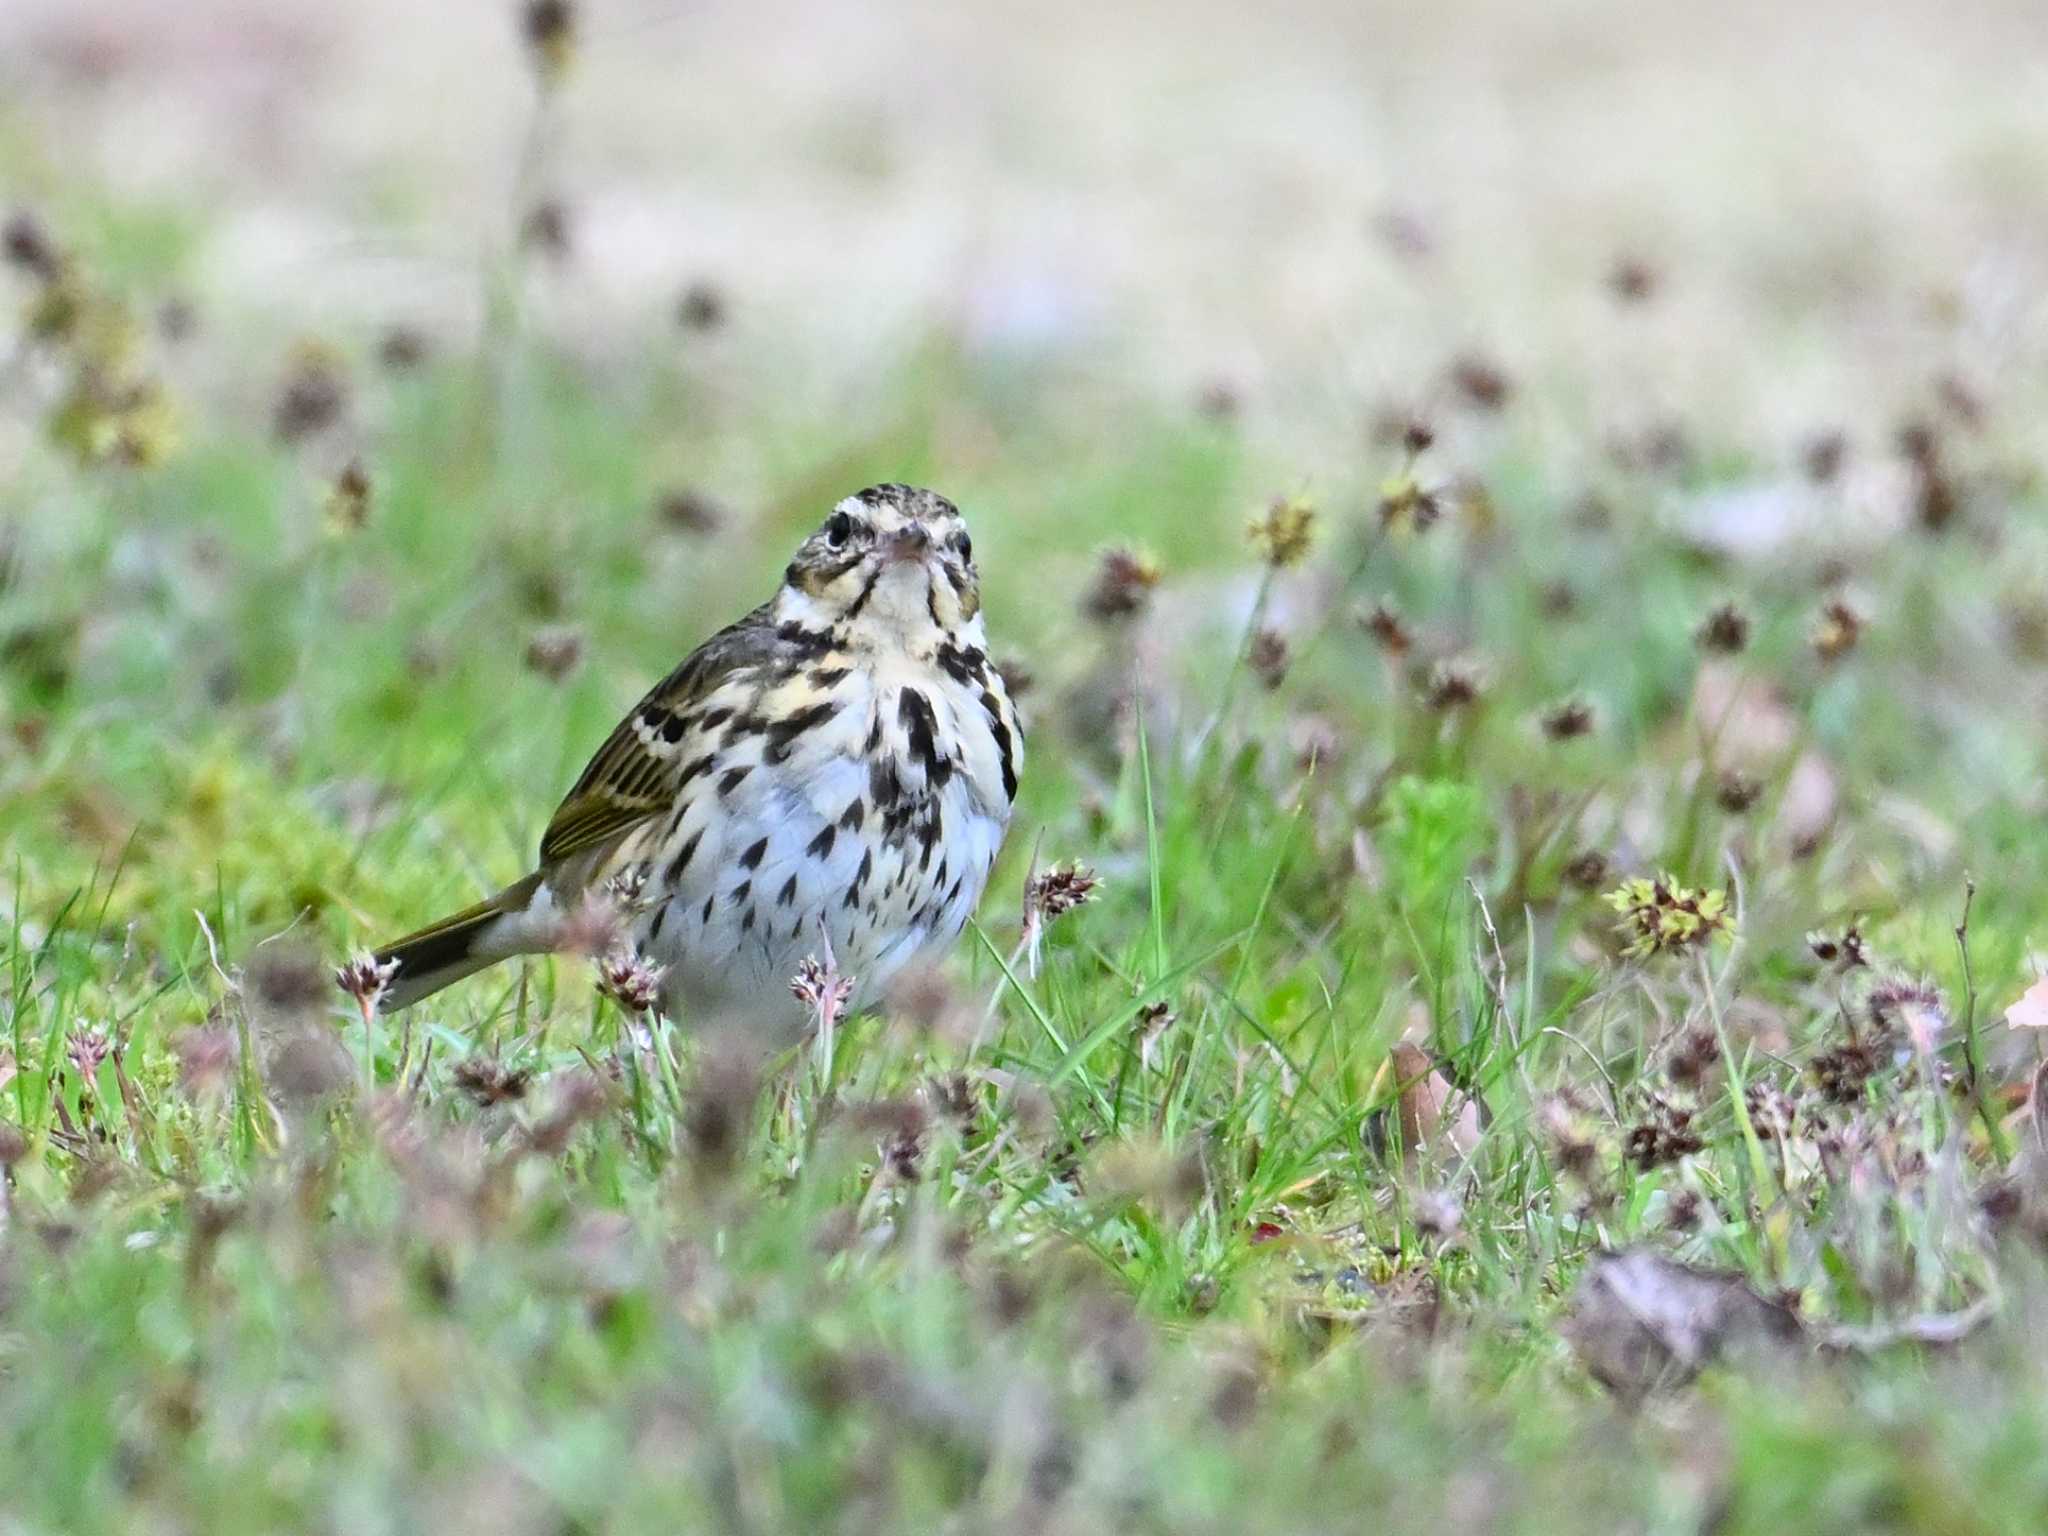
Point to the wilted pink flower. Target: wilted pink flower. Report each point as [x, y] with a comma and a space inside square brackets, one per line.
[628, 980]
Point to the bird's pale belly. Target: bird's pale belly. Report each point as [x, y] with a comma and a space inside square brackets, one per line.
[801, 855]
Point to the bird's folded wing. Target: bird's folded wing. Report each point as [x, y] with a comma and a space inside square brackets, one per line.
[639, 771]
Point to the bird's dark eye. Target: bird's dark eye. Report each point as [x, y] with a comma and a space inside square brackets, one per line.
[839, 529]
[965, 546]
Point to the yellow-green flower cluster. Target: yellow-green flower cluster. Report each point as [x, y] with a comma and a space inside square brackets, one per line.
[1284, 534]
[1659, 916]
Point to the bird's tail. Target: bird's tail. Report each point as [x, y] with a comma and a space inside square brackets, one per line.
[460, 944]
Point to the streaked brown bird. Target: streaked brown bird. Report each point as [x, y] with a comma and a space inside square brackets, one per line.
[835, 769]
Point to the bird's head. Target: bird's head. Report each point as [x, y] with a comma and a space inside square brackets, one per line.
[891, 566]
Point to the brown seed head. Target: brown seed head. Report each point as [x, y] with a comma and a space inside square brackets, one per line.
[313, 393]
[689, 510]
[1822, 456]
[549, 30]
[702, 307]
[1725, 630]
[1387, 627]
[1482, 382]
[1568, 720]
[347, 505]
[1632, 280]
[555, 652]
[1052, 893]
[402, 348]
[488, 1082]
[628, 980]
[1847, 949]
[1268, 656]
[1737, 792]
[1453, 684]
[365, 979]
[1587, 870]
[546, 229]
[1836, 631]
[1124, 581]
[26, 243]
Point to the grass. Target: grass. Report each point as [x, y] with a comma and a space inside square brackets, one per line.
[1266, 1200]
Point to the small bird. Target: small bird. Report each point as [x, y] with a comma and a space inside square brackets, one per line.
[831, 775]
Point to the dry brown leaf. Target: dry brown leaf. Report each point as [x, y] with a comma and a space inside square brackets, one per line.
[1640, 1322]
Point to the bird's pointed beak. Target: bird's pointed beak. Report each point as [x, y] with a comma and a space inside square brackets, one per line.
[906, 546]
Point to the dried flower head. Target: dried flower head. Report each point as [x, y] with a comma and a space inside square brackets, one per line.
[1453, 684]
[549, 30]
[1219, 400]
[625, 977]
[1284, 533]
[1725, 630]
[26, 243]
[1661, 916]
[689, 510]
[547, 229]
[555, 652]
[402, 348]
[1663, 1136]
[1569, 720]
[312, 394]
[1154, 1020]
[1587, 870]
[1385, 624]
[1773, 1111]
[1124, 580]
[1405, 505]
[346, 506]
[1049, 894]
[1054, 892]
[86, 1048]
[1737, 792]
[1842, 1073]
[1846, 950]
[1417, 436]
[1267, 655]
[818, 985]
[1483, 383]
[488, 1082]
[702, 307]
[1836, 631]
[366, 978]
[1694, 1054]
[1564, 1126]
[1822, 455]
[1632, 280]
[1936, 499]
[1909, 1007]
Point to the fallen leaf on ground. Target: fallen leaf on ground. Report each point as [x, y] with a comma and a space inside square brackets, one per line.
[1640, 1322]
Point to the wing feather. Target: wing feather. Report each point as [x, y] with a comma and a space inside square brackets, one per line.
[629, 781]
